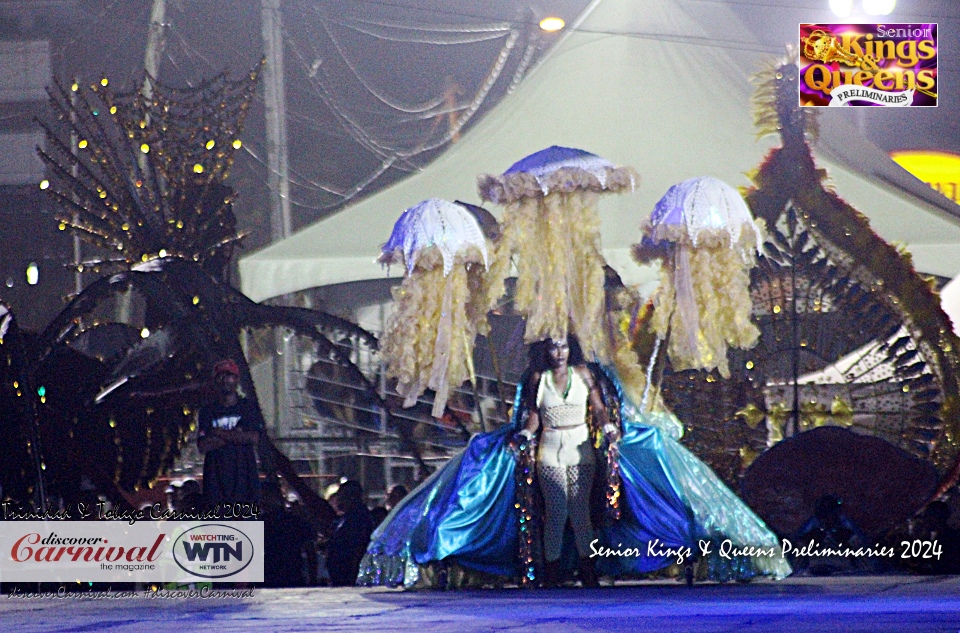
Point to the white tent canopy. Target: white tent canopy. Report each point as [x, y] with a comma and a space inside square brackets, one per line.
[643, 84]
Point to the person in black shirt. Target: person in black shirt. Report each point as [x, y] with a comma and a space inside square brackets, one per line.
[289, 543]
[229, 432]
[351, 534]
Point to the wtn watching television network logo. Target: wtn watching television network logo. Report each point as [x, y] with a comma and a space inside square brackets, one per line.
[213, 551]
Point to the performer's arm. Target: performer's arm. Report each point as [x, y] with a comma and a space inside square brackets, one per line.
[252, 426]
[533, 413]
[208, 439]
[597, 406]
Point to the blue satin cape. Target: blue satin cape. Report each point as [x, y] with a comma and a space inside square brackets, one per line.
[674, 505]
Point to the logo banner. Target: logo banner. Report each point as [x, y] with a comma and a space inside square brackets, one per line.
[845, 95]
[147, 551]
[868, 65]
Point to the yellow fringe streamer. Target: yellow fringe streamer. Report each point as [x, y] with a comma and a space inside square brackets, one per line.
[560, 268]
[413, 342]
[721, 289]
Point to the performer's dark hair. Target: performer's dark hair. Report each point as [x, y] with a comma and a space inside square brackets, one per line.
[539, 354]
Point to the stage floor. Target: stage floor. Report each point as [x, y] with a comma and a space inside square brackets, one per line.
[873, 604]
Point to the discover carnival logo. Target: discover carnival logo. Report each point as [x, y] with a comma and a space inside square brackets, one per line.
[213, 551]
[120, 551]
[52, 548]
[868, 65]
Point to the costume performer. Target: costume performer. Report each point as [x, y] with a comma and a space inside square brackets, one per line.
[565, 457]
[472, 522]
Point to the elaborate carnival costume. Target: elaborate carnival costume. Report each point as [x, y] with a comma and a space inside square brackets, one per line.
[479, 518]
[565, 462]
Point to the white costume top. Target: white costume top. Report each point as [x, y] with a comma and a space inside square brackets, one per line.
[557, 410]
[565, 462]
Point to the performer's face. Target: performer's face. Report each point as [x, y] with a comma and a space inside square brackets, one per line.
[559, 353]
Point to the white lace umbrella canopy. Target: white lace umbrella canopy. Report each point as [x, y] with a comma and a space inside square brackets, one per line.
[707, 240]
[700, 208]
[434, 222]
[562, 169]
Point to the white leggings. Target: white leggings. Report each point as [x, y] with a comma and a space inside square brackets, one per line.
[565, 467]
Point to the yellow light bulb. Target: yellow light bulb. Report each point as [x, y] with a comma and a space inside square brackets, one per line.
[552, 24]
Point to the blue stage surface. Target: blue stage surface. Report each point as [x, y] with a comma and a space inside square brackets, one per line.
[874, 604]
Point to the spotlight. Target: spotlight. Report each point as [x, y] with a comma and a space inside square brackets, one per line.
[841, 8]
[879, 7]
[552, 24]
[33, 274]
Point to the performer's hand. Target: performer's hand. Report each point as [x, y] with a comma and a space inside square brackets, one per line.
[611, 432]
[521, 439]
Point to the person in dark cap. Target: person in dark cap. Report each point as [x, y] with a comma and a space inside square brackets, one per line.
[229, 432]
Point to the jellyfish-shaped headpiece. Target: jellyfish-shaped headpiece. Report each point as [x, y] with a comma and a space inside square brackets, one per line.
[439, 306]
[707, 241]
[551, 228]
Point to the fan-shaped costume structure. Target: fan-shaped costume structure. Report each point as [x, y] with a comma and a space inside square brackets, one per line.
[707, 240]
[471, 517]
[147, 175]
[440, 306]
[21, 471]
[551, 225]
[117, 375]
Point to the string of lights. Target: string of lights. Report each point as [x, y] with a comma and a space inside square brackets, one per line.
[449, 37]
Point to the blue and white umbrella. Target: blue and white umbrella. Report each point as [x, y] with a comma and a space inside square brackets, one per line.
[556, 169]
[434, 222]
[707, 240]
[701, 207]
[429, 339]
[551, 232]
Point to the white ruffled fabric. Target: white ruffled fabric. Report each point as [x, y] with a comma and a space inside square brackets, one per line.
[552, 170]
